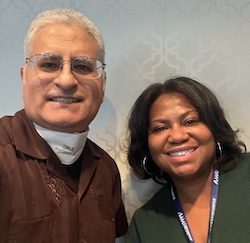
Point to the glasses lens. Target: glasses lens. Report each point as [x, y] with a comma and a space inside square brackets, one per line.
[48, 63]
[87, 67]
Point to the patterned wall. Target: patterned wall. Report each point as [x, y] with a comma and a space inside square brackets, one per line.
[146, 41]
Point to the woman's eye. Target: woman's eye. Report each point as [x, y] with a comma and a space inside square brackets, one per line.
[191, 122]
[159, 129]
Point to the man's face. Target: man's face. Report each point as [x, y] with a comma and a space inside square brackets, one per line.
[62, 102]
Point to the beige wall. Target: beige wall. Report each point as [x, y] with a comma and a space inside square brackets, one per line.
[146, 41]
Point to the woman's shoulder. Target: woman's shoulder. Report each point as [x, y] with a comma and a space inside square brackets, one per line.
[244, 162]
[241, 171]
[161, 202]
[246, 157]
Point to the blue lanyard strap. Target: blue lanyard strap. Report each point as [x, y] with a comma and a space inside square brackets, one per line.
[181, 214]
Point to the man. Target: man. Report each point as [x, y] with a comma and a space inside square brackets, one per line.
[55, 184]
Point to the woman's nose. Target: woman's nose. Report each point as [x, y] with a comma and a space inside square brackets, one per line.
[177, 134]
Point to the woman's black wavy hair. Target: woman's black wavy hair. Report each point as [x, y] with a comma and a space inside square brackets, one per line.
[210, 112]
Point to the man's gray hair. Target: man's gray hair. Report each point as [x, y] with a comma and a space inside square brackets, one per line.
[65, 16]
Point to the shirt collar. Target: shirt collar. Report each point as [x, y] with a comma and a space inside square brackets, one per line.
[28, 141]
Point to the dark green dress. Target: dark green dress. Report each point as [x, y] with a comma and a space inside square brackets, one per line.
[157, 221]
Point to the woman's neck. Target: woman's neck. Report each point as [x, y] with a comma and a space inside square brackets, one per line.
[191, 190]
[195, 198]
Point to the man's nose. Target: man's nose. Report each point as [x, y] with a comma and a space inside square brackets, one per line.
[66, 79]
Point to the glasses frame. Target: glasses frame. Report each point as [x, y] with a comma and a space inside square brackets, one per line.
[102, 66]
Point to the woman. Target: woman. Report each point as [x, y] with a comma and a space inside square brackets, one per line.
[178, 134]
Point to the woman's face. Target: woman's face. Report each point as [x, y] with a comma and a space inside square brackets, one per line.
[179, 142]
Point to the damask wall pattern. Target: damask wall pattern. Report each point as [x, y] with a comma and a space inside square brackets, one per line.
[146, 41]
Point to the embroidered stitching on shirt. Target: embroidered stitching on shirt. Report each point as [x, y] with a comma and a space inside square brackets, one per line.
[56, 186]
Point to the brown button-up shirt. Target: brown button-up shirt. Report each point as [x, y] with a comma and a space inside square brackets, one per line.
[39, 200]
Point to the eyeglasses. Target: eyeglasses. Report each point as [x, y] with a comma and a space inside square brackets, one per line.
[47, 65]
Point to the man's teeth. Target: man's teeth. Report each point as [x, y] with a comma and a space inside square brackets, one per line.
[64, 100]
[181, 153]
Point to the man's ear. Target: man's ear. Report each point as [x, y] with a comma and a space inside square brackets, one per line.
[104, 81]
[22, 71]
